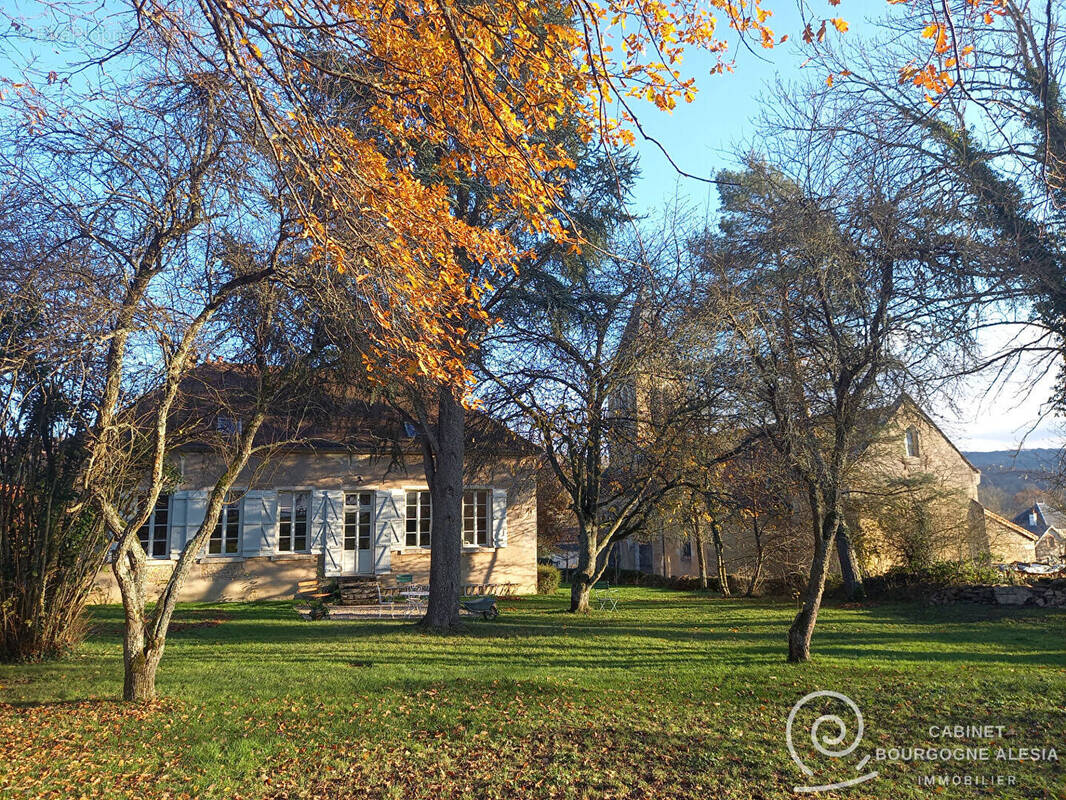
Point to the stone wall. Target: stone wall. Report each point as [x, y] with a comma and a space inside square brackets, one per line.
[223, 579]
[1043, 593]
[1006, 543]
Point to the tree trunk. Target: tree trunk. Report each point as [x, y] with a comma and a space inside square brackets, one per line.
[139, 683]
[445, 479]
[585, 575]
[849, 564]
[701, 556]
[756, 573]
[802, 629]
[139, 661]
[719, 556]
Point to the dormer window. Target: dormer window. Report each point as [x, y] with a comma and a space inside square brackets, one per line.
[228, 425]
[911, 442]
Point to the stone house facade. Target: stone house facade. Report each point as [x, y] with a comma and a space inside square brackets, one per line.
[1048, 524]
[339, 502]
[908, 449]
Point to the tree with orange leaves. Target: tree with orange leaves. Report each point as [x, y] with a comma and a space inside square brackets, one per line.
[482, 84]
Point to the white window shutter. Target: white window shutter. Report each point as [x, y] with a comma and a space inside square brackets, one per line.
[329, 527]
[499, 517]
[195, 509]
[259, 519]
[399, 518]
[385, 519]
[179, 509]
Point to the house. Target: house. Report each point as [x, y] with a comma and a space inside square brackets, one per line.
[343, 494]
[909, 461]
[910, 448]
[1049, 526]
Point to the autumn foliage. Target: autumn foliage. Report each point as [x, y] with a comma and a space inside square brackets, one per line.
[450, 94]
[461, 93]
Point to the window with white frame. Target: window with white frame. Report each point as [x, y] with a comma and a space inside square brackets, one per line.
[226, 537]
[911, 442]
[419, 518]
[153, 534]
[686, 551]
[293, 522]
[476, 518]
[357, 520]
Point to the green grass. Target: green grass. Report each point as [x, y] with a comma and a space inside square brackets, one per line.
[675, 695]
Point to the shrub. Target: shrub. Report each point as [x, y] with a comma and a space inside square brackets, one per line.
[547, 579]
[49, 552]
[902, 583]
[687, 583]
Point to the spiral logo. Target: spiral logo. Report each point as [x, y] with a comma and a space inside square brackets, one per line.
[830, 737]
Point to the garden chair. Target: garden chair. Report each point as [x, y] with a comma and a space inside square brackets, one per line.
[416, 603]
[606, 596]
[312, 589]
[385, 601]
[315, 593]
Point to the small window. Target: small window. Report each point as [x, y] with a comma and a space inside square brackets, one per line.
[686, 551]
[228, 425]
[410, 430]
[476, 517]
[419, 519]
[226, 538]
[292, 522]
[911, 442]
[153, 534]
[357, 519]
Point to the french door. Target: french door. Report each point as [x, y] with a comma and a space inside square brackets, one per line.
[358, 554]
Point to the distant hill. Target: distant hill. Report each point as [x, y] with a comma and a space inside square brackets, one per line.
[1012, 480]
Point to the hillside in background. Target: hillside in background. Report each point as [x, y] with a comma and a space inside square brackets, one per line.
[1013, 480]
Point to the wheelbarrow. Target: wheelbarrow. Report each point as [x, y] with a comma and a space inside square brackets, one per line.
[485, 606]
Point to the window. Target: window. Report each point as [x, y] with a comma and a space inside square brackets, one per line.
[357, 516]
[912, 442]
[228, 425]
[292, 521]
[476, 517]
[419, 519]
[226, 538]
[686, 551]
[153, 534]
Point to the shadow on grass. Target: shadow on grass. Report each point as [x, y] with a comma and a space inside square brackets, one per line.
[548, 637]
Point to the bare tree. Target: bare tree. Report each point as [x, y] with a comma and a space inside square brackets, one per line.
[993, 140]
[49, 555]
[583, 374]
[157, 188]
[822, 288]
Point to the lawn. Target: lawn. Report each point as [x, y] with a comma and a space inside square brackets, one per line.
[673, 696]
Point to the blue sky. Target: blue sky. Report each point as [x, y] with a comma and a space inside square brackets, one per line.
[702, 138]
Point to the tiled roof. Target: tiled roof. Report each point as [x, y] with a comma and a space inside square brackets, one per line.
[324, 417]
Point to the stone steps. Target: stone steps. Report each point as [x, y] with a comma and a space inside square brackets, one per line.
[358, 590]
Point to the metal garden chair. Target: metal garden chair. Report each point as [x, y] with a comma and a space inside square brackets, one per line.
[605, 595]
